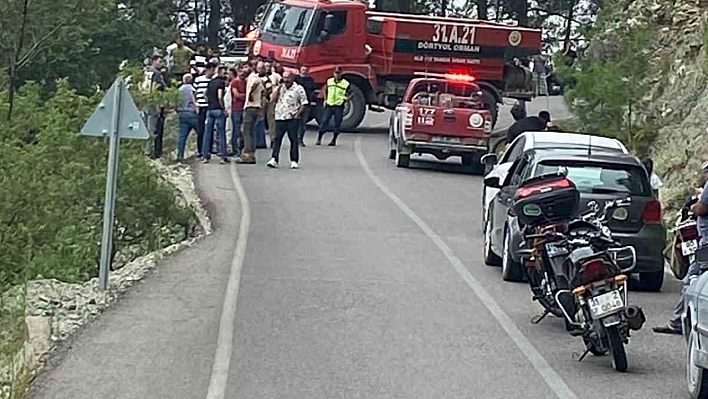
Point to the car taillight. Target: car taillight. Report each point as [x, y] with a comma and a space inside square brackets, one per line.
[652, 212]
[595, 269]
[526, 191]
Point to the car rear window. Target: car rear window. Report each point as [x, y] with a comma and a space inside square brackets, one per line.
[601, 178]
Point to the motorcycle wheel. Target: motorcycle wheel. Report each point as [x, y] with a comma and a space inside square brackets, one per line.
[619, 355]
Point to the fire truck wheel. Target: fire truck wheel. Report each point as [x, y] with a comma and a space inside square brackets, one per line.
[492, 105]
[354, 109]
[472, 162]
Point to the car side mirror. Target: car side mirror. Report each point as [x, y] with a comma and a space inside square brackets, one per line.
[489, 159]
[492, 181]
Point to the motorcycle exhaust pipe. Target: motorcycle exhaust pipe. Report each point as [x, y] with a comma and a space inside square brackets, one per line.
[635, 317]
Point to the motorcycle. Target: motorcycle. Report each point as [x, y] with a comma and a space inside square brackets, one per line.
[543, 205]
[598, 268]
[685, 242]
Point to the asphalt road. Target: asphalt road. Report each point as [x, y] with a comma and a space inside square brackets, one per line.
[358, 280]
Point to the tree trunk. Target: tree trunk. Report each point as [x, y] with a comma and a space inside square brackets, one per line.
[522, 12]
[214, 22]
[15, 61]
[443, 8]
[569, 23]
[482, 10]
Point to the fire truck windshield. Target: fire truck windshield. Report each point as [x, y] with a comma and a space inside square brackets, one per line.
[286, 25]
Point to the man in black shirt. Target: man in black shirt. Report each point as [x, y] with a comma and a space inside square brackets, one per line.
[216, 117]
[306, 81]
[528, 124]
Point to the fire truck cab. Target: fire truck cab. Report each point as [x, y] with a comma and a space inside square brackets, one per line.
[444, 116]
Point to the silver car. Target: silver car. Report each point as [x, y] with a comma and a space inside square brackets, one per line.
[695, 330]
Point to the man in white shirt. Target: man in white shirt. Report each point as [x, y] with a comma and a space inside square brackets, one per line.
[275, 80]
[290, 101]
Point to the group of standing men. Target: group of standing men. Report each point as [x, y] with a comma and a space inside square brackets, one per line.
[264, 97]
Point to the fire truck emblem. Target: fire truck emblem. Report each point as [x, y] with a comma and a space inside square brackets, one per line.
[515, 38]
[257, 47]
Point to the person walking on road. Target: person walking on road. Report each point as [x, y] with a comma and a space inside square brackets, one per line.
[252, 115]
[201, 84]
[238, 102]
[308, 83]
[695, 269]
[336, 94]
[187, 113]
[290, 101]
[216, 117]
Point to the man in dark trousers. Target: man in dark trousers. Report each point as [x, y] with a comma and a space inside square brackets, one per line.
[290, 100]
[307, 83]
[201, 83]
[216, 117]
[336, 94]
[528, 124]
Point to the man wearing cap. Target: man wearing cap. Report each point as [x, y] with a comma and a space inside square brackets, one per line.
[699, 209]
[336, 94]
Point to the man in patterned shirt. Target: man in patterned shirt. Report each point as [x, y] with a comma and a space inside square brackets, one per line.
[290, 100]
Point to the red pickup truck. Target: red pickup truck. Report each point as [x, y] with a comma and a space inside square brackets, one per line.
[444, 116]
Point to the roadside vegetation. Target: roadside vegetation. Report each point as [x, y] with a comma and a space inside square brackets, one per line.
[57, 61]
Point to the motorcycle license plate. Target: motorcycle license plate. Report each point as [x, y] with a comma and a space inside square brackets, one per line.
[553, 250]
[689, 247]
[605, 304]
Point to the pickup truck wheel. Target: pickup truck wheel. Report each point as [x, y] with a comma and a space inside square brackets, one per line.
[651, 281]
[354, 109]
[402, 160]
[492, 105]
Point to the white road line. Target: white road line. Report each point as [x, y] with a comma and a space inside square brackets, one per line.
[554, 381]
[224, 344]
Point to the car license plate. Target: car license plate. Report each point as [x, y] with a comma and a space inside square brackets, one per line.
[446, 139]
[553, 250]
[605, 304]
[689, 247]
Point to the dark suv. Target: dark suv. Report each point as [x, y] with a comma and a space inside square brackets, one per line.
[600, 176]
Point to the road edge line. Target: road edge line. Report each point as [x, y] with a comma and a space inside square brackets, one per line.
[544, 369]
[224, 344]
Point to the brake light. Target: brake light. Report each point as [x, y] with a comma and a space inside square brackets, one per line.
[652, 212]
[594, 269]
[527, 191]
[461, 77]
[689, 232]
[408, 118]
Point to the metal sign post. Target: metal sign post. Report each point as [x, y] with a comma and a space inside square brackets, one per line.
[118, 117]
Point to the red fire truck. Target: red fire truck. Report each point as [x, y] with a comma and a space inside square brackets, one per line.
[380, 52]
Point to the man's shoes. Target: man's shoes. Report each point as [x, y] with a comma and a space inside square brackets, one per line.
[294, 165]
[332, 143]
[242, 161]
[302, 143]
[224, 161]
[206, 160]
[667, 329]
[272, 163]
